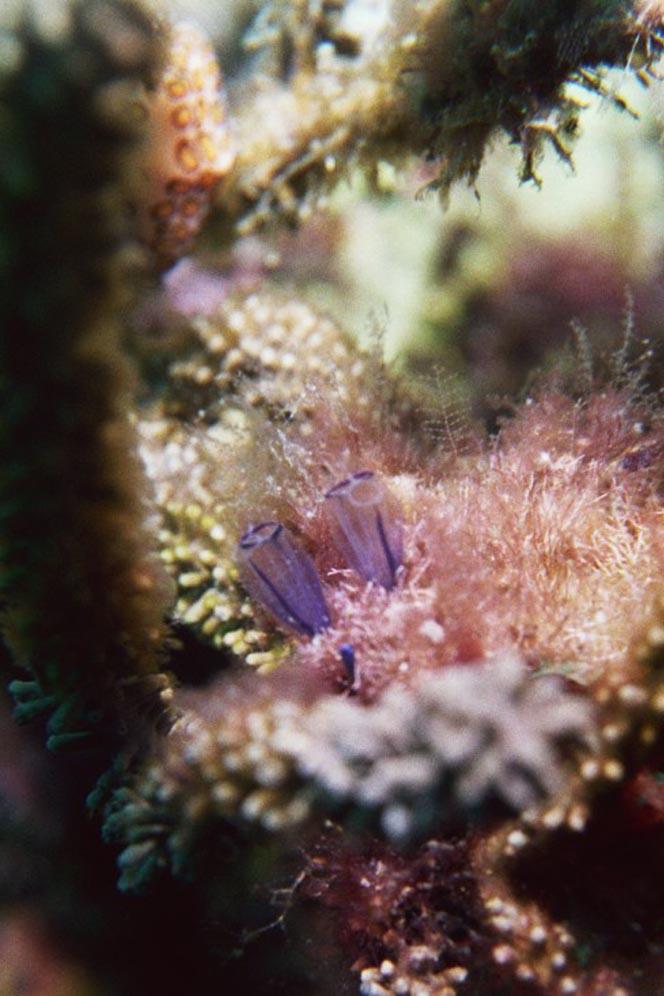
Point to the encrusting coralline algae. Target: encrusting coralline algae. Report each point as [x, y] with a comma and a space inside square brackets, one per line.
[399, 690]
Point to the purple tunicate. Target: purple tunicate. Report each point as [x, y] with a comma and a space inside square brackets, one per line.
[282, 577]
[347, 654]
[367, 525]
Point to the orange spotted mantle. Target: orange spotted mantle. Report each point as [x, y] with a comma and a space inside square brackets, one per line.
[188, 149]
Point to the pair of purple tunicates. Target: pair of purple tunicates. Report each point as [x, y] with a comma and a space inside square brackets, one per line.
[366, 523]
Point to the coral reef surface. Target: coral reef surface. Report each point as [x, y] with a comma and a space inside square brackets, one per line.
[337, 675]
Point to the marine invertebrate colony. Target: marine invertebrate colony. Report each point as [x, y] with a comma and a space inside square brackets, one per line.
[289, 636]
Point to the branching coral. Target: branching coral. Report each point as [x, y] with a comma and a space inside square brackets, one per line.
[454, 688]
[439, 78]
[449, 747]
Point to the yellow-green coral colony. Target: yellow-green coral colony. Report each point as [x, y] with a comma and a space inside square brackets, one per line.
[265, 352]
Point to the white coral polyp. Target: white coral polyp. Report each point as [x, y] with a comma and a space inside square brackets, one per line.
[458, 738]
